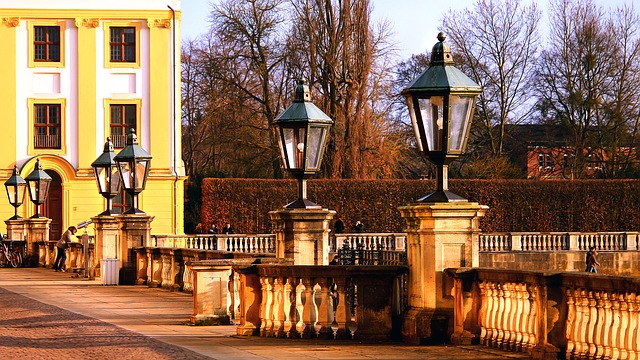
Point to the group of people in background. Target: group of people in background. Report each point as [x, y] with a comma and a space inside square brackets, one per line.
[339, 227]
[213, 229]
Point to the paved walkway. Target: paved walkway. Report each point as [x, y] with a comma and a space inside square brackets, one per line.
[46, 315]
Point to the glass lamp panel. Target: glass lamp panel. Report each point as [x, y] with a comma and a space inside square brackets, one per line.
[141, 173]
[289, 147]
[11, 193]
[414, 122]
[461, 107]
[101, 178]
[294, 146]
[431, 110]
[114, 185]
[33, 191]
[125, 175]
[316, 142]
[43, 190]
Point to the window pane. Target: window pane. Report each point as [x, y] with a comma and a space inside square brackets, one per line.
[130, 53]
[129, 35]
[54, 52]
[116, 114]
[39, 33]
[40, 52]
[41, 114]
[54, 114]
[115, 53]
[115, 34]
[130, 115]
[54, 34]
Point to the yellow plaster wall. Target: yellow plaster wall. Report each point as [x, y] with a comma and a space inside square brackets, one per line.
[81, 199]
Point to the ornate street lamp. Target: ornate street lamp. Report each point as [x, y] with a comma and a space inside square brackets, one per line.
[133, 164]
[302, 132]
[16, 189]
[107, 177]
[38, 182]
[441, 103]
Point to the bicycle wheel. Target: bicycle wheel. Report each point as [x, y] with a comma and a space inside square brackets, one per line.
[3, 259]
[14, 260]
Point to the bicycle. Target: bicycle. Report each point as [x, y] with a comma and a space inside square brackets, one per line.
[10, 255]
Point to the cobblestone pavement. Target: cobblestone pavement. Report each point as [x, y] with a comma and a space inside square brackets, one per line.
[49, 315]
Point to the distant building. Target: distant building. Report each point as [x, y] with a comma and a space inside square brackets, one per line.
[543, 152]
[73, 73]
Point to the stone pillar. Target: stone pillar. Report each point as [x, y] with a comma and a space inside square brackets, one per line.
[17, 230]
[303, 235]
[38, 234]
[211, 292]
[107, 238]
[439, 236]
[135, 232]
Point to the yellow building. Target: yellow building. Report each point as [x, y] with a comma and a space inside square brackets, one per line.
[75, 72]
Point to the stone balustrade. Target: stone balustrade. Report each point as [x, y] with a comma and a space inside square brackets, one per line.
[75, 255]
[369, 241]
[341, 302]
[560, 315]
[166, 267]
[554, 241]
[255, 244]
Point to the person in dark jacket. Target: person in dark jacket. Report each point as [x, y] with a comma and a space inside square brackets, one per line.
[62, 246]
[591, 260]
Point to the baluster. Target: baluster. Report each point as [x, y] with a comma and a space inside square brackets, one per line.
[492, 311]
[278, 307]
[600, 336]
[300, 299]
[626, 327]
[614, 345]
[325, 309]
[306, 330]
[532, 318]
[634, 341]
[500, 317]
[484, 310]
[263, 305]
[570, 330]
[591, 326]
[518, 318]
[509, 316]
[289, 308]
[340, 308]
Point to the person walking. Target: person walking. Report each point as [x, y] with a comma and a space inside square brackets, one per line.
[227, 229]
[62, 246]
[591, 260]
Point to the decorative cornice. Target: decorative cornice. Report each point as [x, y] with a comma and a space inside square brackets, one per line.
[87, 22]
[165, 23]
[11, 21]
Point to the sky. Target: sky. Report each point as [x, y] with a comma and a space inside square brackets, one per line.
[414, 22]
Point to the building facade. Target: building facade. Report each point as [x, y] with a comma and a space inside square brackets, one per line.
[75, 72]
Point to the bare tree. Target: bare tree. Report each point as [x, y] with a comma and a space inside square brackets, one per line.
[495, 43]
[345, 58]
[588, 83]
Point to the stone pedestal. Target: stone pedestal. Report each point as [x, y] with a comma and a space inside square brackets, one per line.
[211, 292]
[439, 235]
[107, 240]
[135, 232]
[38, 233]
[303, 235]
[17, 230]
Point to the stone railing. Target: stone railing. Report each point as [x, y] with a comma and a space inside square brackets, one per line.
[328, 302]
[554, 241]
[257, 243]
[166, 267]
[369, 241]
[562, 315]
[75, 255]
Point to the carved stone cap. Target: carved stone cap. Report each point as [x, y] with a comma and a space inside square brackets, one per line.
[11, 21]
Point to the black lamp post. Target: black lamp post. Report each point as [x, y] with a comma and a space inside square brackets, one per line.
[107, 177]
[133, 164]
[16, 188]
[302, 132]
[38, 182]
[441, 103]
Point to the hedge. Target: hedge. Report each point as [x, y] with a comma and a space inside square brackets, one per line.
[515, 205]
